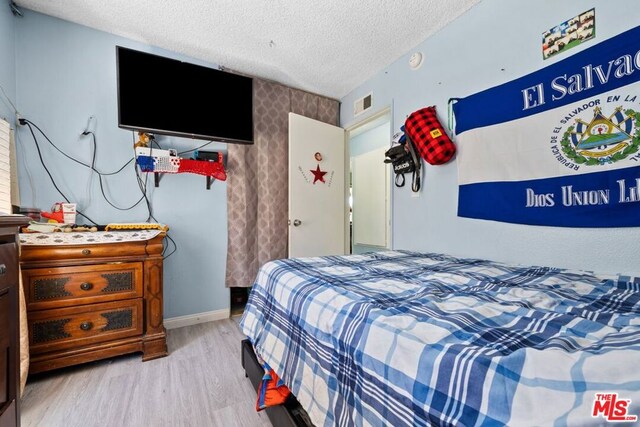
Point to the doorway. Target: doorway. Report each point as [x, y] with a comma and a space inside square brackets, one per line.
[370, 184]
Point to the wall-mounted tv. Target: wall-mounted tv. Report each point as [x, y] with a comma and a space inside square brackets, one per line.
[165, 96]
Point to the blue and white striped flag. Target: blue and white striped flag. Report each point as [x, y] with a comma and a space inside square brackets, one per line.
[558, 147]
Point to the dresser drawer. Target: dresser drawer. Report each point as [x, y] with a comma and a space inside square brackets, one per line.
[72, 286]
[77, 326]
[32, 254]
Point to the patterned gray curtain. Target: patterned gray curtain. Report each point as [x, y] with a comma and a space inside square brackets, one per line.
[257, 182]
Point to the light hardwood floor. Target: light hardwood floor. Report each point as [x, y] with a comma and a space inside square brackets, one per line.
[200, 383]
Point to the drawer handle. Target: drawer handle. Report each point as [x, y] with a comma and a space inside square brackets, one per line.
[86, 252]
[85, 326]
[86, 286]
[3, 269]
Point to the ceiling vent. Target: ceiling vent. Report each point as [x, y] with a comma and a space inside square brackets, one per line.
[363, 104]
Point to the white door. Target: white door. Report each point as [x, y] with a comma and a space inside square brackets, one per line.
[316, 188]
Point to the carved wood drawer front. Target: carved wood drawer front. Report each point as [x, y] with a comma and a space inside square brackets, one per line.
[70, 286]
[72, 327]
[85, 253]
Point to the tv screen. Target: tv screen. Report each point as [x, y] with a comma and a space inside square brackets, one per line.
[165, 96]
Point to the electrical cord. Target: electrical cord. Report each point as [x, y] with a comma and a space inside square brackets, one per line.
[51, 176]
[91, 166]
[118, 171]
[104, 195]
[142, 184]
[74, 159]
[197, 148]
[66, 199]
[175, 247]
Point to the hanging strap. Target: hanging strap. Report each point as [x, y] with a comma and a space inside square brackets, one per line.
[417, 161]
[415, 184]
[400, 182]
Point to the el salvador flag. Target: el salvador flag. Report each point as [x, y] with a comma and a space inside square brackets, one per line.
[558, 147]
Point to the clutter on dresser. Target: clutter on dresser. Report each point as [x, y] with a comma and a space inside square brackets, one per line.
[63, 213]
[78, 228]
[159, 161]
[48, 227]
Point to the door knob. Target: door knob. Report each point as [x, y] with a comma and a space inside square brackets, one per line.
[296, 222]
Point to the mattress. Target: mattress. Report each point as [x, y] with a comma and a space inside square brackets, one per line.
[411, 339]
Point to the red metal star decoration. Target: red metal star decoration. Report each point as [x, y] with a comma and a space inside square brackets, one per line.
[318, 175]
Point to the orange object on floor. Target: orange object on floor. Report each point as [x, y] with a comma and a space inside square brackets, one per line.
[271, 390]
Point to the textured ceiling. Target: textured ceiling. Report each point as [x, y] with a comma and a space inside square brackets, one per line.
[326, 46]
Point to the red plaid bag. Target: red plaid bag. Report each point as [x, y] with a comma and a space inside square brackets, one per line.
[429, 137]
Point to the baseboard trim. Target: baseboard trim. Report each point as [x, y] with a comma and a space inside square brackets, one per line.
[194, 319]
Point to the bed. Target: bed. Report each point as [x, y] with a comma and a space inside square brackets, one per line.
[412, 339]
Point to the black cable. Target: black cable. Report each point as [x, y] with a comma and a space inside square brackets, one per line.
[142, 184]
[197, 148]
[66, 199]
[92, 166]
[113, 205]
[95, 149]
[53, 181]
[104, 195]
[143, 188]
[118, 171]
[175, 247]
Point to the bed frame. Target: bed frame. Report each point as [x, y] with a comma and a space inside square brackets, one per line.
[289, 414]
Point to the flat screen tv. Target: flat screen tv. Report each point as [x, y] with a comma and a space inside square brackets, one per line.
[170, 97]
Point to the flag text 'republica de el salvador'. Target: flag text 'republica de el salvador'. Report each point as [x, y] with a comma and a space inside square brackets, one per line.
[557, 147]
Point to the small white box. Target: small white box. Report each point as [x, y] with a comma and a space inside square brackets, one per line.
[155, 152]
[69, 213]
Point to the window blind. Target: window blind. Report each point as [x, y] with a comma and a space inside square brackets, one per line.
[5, 169]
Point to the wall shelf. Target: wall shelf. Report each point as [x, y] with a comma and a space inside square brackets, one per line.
[212, 166]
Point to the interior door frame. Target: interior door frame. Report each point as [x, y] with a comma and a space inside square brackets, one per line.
[385, 112]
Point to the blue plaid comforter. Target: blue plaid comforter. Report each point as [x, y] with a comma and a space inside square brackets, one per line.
[409, 339]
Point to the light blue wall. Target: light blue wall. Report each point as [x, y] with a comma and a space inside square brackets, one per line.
[67, 72]
[495, 42]
[372, 139]
[7, 61]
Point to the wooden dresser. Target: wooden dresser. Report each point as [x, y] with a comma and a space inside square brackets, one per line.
[9, 322]
[93, 301]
